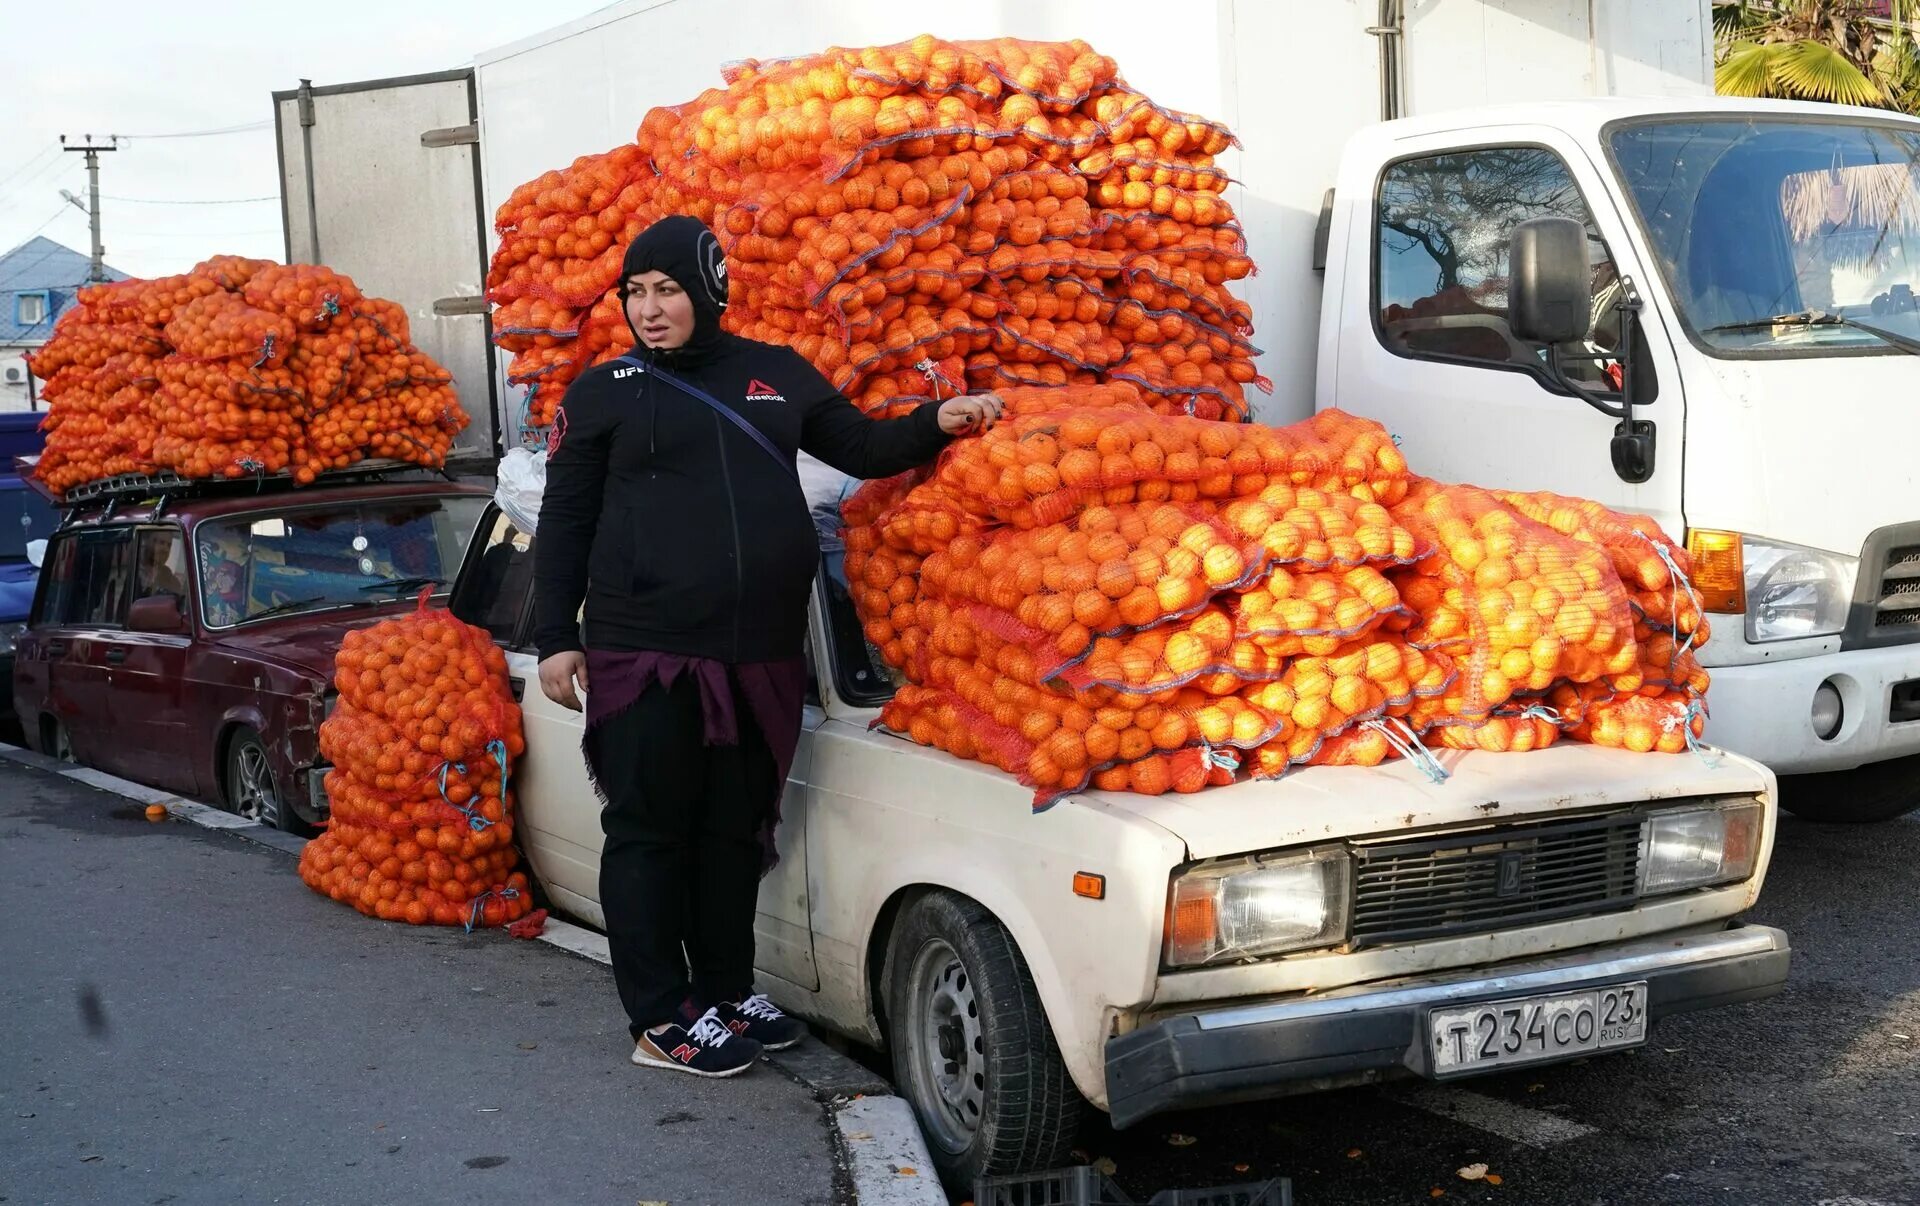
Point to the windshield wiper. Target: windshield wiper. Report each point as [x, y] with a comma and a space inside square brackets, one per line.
[404, 584]
[1819, 318]
[289, 605]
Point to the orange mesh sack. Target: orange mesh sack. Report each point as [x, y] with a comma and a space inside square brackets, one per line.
[1517, 605]
[423, 743]
[1008, 210]
[246, 367]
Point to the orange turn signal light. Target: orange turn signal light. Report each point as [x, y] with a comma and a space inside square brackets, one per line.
[1719, 570]
[1089, 885]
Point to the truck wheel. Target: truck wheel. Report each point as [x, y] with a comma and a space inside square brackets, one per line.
[251, 791]
[972, 1050]
[1879, 791]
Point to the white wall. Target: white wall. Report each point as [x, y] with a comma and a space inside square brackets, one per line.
[14, 397]
[1293, 78]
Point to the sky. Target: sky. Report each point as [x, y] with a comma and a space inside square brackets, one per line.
[79, 67]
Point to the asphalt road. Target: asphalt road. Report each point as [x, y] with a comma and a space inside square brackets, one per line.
[253, 1042]
[185, 1022]
[1809, 1099]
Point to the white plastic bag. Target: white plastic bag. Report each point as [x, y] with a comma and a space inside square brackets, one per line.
[522, 479]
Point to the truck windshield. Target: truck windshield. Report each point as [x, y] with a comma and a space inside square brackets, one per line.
[1782, 237]
[24, 516]
[307, 558]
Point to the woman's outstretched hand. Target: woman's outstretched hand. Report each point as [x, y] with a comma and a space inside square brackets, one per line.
[970, 415]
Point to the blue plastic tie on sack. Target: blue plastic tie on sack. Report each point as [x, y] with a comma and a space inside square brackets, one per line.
[480, 904]
[1696, 709]
[1681, 582]
[1407, 743]
[1543, 712]
[1225, 760]
[475, 820]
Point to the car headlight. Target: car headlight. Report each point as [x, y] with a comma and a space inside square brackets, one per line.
[1796, 592]
[9, 633]
[1246, 908]
[1683, 848]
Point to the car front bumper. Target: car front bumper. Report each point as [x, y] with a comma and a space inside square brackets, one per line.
[1374, 1032]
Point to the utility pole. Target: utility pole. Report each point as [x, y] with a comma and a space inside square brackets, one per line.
[91, 150]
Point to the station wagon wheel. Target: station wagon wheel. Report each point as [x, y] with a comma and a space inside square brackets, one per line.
[972, 1050]
[250, 788]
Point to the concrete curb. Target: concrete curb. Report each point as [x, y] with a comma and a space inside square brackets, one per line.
[876, 1131]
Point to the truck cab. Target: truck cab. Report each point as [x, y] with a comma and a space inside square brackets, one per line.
[1749, 290]
[1139, 954]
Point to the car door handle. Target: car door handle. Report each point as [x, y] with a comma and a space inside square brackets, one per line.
[116, 656]
[519, 688]
[56, 649]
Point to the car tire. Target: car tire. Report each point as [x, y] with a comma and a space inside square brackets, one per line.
[972, 1050]
[1865, 795]
[249, 787]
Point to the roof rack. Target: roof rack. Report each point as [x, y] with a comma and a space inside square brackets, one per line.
[168, 484]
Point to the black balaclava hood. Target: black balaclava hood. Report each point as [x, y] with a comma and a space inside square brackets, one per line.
[684, 249]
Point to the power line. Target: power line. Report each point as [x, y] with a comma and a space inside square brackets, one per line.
[45, 175]
[37, 161]
[238, 129]
[179, 201]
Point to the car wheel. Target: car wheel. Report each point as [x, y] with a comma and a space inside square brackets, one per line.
[972, 1050]
[1865, 795]
[251, 791]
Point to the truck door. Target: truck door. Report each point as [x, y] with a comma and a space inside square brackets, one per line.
[1423, 339]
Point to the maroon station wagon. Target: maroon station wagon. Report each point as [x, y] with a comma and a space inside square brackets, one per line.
[187, 643]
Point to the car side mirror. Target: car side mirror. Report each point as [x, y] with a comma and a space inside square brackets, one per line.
[156, 613]
[1548, 300]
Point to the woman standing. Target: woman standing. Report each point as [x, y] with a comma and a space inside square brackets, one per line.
[674, 514]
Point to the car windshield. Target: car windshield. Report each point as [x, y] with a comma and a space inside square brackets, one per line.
[315, 558]
[24, 516]
[1782, 237]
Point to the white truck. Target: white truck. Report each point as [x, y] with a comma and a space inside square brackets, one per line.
[1342, 925]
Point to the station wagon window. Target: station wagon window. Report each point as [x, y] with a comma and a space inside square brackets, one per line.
[302, 559]
[1440, 268]
[496, 591]
[160, 564]
[88, 577]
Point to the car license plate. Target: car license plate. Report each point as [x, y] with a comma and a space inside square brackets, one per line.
[1527, 1030]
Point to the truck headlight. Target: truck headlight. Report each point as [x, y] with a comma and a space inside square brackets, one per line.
[1786, 590]
[1249, 907]
[1796, 592]
[1683, 848]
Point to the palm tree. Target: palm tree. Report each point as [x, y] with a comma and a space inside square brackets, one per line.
[1851, 52]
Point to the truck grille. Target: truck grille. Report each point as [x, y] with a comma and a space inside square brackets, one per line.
[1470, 883]
[1898, 603]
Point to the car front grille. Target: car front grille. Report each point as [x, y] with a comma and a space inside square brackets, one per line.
[1485, 880]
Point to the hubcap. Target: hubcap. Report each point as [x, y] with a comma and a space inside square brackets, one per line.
[254, 796]
[948, 1049]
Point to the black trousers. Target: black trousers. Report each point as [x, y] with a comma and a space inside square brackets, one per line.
[680, 869]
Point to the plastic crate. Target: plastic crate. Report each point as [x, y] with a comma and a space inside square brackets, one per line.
[1081, 1185]
[1084, 1186]
[1277, 1192]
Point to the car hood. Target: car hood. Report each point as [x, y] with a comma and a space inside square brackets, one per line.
[305, 644]
[1326, 803]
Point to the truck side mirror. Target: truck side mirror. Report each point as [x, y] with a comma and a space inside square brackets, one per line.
[1548, 300]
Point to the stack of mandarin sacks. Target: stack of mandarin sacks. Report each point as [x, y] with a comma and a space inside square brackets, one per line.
[422, 744]
[916, 220]
[237, 368]
[1097, 593]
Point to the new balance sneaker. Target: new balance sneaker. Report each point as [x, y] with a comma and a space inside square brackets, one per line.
[761, 1021]
[704, 1047]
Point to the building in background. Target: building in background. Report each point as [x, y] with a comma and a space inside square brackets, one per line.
[38, 281]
